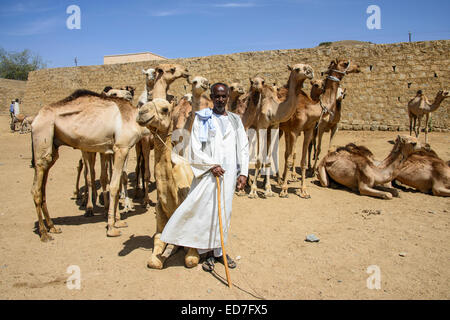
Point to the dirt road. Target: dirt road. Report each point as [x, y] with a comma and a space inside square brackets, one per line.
[407, 240]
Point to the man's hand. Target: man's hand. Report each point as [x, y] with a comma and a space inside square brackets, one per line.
[217, 171]
[241, 182]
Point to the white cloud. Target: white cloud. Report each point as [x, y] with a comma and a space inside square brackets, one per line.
[36, 27]
[235, 5]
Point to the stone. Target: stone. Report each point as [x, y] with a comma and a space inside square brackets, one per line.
[312, 238]
[402, 254]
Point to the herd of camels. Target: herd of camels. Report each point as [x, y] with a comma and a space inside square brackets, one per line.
[109, 124]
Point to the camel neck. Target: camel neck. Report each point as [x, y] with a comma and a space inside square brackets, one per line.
[390, 166]
[436, 103]
[160, 89]
[329, 94]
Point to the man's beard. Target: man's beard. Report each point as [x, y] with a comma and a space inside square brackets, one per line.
[219, 108]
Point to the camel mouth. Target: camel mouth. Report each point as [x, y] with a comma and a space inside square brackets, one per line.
[144, 122]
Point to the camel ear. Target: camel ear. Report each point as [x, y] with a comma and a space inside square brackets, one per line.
[289, 67]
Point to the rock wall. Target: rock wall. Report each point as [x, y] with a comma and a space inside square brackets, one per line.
[376, 98]
[10, 90]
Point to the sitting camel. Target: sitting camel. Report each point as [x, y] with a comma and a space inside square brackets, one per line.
[126, 93]
[419, 106]
[354, 167]
[173, 178]
[426, 172]
[92, 123]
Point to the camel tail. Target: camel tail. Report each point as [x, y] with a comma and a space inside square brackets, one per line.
[32, 151]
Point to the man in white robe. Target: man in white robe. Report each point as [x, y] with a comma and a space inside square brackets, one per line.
[218, 147]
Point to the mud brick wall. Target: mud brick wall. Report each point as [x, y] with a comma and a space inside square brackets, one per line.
[376, 98]
[10, 90]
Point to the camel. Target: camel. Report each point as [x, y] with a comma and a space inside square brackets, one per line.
[306, 116]
[92, 123]
[173, 178]
[146, 95]
[354, 167]
[271, 112]
[426, 172]
[420, 106]
[328, 123]
[236, 91]
[184, 112]
[126, 93]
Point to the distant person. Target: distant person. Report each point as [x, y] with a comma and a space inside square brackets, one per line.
[11, 110]
[16, 107]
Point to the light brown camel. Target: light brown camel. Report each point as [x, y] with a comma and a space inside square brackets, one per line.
[271, 112]
[354, 167]
[184, 112]
[306, 116]
[165, 75]
[92, 123]
[426, 172]
[173, 178]
[420, 106]
[236, 91]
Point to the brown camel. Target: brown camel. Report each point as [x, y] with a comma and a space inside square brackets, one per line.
[166, 74]
[328, 123]
[173, 178]
[354, 167]
[92, 123]
[420, 106]
[426, 172]
[306, 117]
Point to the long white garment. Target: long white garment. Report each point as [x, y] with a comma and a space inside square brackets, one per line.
[195, 223]
[16, 108]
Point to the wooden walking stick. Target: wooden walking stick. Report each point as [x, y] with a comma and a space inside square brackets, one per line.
[224, 254]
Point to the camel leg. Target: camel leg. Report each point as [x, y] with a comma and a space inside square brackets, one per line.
[322, 175]
[410, 123]
[427, 116]
[290, 138]
[268, 188]
[306, 140]
[191, 258]
[419, 119]
[138, 186]
[76, 193]
[254, 187]
[156, 261]
[439, 189]
[104, 179]
[89, 158]
[114, 222]
[50, 225]
[364, 189]
[146, 155]
[128, 204]
[391, 190]
[320, 133]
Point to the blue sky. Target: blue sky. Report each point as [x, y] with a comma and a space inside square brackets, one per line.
[188, 28]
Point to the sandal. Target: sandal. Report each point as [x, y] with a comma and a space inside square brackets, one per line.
[231, 263]
[208, 264]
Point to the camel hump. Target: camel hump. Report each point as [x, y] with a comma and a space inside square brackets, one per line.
[357, 150]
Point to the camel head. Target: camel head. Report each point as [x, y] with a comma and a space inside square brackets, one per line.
[188, 97]
[343, 66]
[170, 72]
[406, 145]
[317, 87]
[150, 75]
[442, 94]
[199, 85]
[156, 114]
[236, 89]
[300, 72]
[256, 84]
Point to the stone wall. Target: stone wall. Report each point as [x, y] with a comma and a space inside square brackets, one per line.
[10, 90]
[376, 98]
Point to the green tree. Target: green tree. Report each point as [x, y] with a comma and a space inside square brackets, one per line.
[17, 65]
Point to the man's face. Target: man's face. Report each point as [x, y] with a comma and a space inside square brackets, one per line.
[219, 97]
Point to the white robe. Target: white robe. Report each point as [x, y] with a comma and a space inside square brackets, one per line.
[195, 223]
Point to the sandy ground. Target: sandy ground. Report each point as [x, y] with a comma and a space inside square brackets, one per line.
[268, 235]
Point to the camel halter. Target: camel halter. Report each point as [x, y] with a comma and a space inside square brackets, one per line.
[333, 78]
